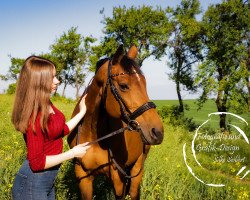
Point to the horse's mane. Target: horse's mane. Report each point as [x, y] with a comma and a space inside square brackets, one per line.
[100, 63]
[127, 64]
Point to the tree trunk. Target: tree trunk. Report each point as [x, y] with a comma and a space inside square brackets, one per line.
[221, 108]
[77, 90]
[178, 90]
[64, 88]
[247, 78]
[181, 107]
[248, 98]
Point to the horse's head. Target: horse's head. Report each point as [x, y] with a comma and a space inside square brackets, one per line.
[124, 95]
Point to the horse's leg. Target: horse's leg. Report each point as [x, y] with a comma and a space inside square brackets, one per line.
[118, 185]
[134, 190]
[85, 183]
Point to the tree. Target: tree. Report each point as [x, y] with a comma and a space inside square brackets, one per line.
[224, 72]
[184, 45]
[14, 69]
[79, 77]
[144, 26]
[72, 51]
[13, 72]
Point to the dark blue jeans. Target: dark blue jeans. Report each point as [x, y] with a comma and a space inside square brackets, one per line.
[29, 185]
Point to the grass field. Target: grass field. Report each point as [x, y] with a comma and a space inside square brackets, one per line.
[166, 174]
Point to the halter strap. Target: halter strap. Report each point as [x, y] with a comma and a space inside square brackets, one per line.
[122, 170]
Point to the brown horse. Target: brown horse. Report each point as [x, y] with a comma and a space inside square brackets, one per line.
[117, 100]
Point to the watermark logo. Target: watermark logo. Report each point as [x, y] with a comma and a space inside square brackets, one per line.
[222, 148]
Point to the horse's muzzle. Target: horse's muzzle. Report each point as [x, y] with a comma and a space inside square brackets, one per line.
[153, 137]
[156, 136]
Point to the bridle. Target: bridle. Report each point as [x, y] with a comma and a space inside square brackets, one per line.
[126, 115]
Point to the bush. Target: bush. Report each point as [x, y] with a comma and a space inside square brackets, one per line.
[59, 98]
[164, 112]
[177, 118]
[11, 89]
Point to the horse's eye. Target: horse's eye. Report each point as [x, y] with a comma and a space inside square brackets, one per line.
[123, 87]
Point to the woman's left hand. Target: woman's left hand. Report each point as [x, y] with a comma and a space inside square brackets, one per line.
[82, 105]
[72, 123]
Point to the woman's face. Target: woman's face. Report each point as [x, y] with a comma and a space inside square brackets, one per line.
[55, 82]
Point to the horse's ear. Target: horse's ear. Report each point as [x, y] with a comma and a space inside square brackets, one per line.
[118, 55]
[132, 52]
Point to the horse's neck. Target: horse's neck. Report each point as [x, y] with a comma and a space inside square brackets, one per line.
[92, 116]
[90, 124]
[98, 123]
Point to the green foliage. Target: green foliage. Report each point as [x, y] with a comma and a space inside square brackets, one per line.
[224, 72]
[173, 181]
[143, 26]
[67, 185]
[164, 112]
[176, 117]
[184, 45]
[72, 53]
[14, 69]
[66, 178]
[197, 115]
[55, 60]
[3, 77]
[12, 147]
[57, 98]
[11, 89]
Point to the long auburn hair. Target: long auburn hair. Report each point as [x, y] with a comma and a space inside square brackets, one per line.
[33, 93]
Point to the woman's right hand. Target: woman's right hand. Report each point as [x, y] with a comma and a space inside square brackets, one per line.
[80, 150]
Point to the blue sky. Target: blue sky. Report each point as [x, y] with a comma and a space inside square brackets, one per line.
[31, 26]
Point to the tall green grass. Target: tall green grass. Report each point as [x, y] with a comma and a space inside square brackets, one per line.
[12, 147]
[166, 175]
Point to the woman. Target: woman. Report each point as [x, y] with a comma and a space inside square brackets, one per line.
[43, 127]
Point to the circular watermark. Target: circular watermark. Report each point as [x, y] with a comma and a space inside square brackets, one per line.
[223, 147]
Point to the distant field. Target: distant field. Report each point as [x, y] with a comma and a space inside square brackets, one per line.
[199, 116]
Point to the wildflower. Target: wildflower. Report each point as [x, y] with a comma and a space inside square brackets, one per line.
[170, 197]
